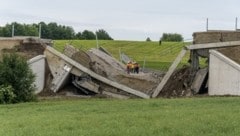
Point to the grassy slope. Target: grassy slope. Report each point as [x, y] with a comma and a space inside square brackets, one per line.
[106, 117]
[156, 56]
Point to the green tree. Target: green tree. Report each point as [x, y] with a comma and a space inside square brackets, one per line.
[31, 30]
[6, 94]
[45, 31]
[56, 31]
[15, 72]
[103, 35]
[24, 29]
[88, 35]
[173, 37]
[148, 39]
[51, 31]
[79, 36]
[6, 31]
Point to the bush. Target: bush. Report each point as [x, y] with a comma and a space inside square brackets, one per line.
[6, 94]
[148, 39]
[15, 72]
[171, 37]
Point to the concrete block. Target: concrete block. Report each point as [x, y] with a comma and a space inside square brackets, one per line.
[224, 75]
[198, 80]
[61, 77]
[37, 64]
[86, 83]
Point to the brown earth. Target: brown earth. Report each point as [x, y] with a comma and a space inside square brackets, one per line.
[232, 52]
[177, 86]
[27, 49]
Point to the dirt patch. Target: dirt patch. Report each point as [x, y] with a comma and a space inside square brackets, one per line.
[177, 86]
[232, 52]
[28, 48]
[142, 85]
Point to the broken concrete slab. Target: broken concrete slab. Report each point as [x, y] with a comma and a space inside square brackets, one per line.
[110, 60]
[86, 83]
[61, 77]
[198, 80]
[77, 55]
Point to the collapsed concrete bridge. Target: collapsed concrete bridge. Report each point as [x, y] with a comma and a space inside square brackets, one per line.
[97, 72]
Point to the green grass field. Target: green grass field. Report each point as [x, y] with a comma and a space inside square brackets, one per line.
[156, 57]
[213, 116]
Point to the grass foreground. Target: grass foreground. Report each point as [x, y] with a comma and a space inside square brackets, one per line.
[135, 117]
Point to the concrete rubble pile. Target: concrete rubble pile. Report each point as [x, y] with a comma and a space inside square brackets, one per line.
[95, 72]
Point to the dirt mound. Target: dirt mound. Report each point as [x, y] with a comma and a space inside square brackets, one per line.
[177, 85]
[232, 53]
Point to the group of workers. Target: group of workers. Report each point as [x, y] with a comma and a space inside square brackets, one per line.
[132, 67]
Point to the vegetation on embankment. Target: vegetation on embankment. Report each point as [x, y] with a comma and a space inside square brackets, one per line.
[156, 56]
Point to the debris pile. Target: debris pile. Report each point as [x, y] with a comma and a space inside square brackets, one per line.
[178, 84]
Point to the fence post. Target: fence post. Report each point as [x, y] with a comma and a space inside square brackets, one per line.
[120, 56]
[144, 62]
[12, 30]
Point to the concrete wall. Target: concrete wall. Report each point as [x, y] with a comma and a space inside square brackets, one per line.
[224, 75]
[215, 36]
[37, 65]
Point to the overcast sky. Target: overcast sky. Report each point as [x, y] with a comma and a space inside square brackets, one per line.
[126, 19]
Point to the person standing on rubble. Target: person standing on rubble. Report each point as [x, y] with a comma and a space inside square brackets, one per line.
[136, 67]
[129, 65]
[132, 67]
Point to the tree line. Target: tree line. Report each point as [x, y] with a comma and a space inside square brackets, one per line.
[169, 37]
[51, 31]
[173, 37]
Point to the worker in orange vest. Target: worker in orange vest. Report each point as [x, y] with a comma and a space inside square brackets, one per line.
[136, 67]
[129, 66]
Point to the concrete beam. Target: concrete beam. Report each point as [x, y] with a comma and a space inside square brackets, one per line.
[60, 79]
[93, 74]
[169, 73]
[213, 45]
